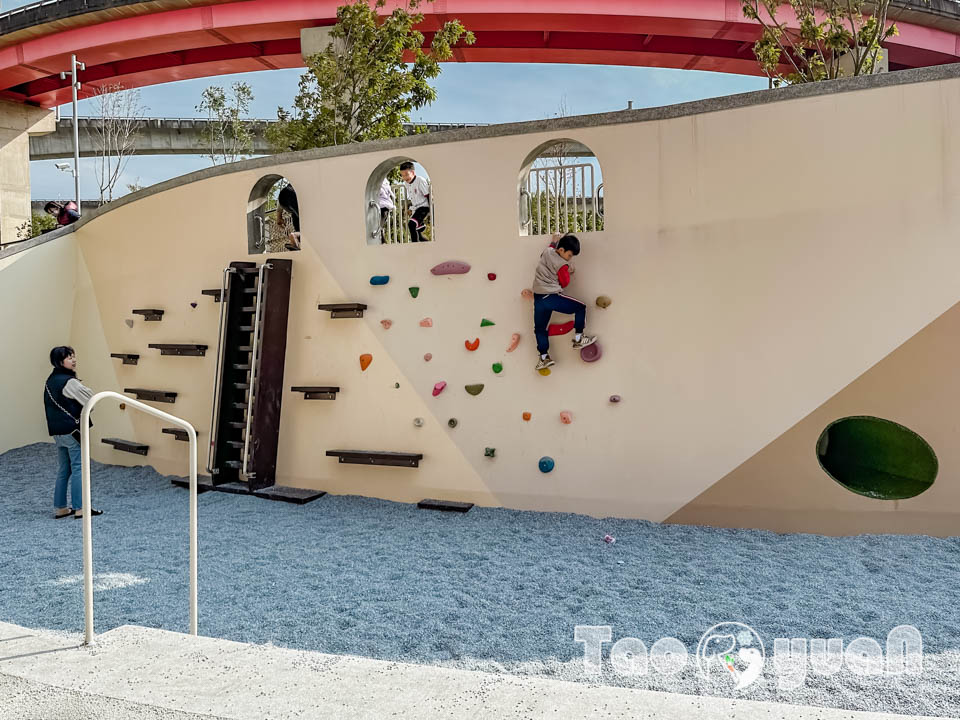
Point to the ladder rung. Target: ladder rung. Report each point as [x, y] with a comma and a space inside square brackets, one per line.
[241, 367]
[241, 386]
[233, 463]
[248, 309]
[250, 291]
[240, 405]
[246, 328]
[235, 443]
[245, 348]
[238, 425]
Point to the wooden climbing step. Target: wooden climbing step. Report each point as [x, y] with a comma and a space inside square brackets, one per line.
[444, 505]
[126, 445]
[178, 433]
[317, 392]
[377, 457]
[204, 483]
[150, 314]
[298, 496]
[187, 349]
[343, 310]
[127, 358]
[164, 396]
[235, 488]
[213, 292]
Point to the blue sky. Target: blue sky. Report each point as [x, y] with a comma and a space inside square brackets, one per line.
[477, 93]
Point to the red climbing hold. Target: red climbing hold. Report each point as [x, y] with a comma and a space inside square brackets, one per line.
[491, 276]
[471, 346]
[560, 328]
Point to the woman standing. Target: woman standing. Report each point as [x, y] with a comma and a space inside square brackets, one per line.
[63, 399]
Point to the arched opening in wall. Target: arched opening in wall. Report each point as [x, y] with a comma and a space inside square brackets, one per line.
[399, 203]
[877, 458]
[561, 189]
[273, 216]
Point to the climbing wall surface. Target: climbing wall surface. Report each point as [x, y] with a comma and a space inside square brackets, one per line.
[743, 297]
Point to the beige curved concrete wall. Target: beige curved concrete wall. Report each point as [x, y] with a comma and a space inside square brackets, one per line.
[752, 278]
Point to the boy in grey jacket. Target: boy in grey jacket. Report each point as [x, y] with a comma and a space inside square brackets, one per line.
[552, 276]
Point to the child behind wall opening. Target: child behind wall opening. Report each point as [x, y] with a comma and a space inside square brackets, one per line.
[551, 277]
[418, 195]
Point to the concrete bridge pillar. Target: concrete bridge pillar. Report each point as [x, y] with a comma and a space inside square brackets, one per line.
[17, 124]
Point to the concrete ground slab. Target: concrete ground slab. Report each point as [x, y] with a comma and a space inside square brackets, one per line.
[155, 673]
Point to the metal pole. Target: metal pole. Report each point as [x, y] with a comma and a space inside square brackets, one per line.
[74, 87]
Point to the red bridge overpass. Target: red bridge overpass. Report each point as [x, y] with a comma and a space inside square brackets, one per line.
[145, 43]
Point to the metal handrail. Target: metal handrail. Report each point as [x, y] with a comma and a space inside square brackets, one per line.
[214, 430]
[254, 362]
[87, 505]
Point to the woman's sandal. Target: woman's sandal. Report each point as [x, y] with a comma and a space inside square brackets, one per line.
[67, 513]
[79, 513]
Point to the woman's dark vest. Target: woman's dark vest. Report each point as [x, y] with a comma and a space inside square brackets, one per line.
[60, 420]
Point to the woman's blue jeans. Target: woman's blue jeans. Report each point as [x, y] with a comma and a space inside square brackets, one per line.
[68, 450]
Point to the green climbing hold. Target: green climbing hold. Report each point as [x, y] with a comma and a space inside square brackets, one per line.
[489, 452]
[486, 323]
[396, 386]
[474, 389]
[498, 368]
[414, 291]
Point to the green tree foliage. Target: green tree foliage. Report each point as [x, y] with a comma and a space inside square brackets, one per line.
[812, 44]
[367, 81]
[228, 135]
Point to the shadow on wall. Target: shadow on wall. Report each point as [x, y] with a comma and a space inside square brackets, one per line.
[399, 203]
[561, 190]
[273, 216]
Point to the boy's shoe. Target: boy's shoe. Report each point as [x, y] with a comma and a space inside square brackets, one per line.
[584, 341]
[545, 363]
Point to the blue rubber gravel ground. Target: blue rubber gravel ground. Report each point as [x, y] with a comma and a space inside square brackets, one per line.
[493, 589]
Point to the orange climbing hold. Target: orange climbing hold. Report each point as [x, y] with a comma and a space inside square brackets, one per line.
[527, 416]
[365, 361]
[560, 328]
[527, 294]
[471, 346]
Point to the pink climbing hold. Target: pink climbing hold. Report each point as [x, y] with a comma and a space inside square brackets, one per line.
[527, 294]
[491, 276]
[438, 388]
[566, 417]
[471, 346]
[591, 353]
[387, 324]
[427, 357]
[560, 328]
[451, 267]
[426, 322]
[514, 341]
[609, 539]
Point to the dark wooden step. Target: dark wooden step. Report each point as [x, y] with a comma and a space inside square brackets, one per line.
[164, 396]
[190, 349]
[377, 457]
[299, 496]
[250, 291]
[240, 405]
[204, 483]
[149, 313]
[178, 433]
[246, 328]
[241, 366]
[444, 505]
[245, 348]
[252, 308]
[127, 445]
[128, 358]
[238, 425]
[235, 443]
[235, 488]
[241, 386]
[214, 293]
[233, 464]
[343, 310]
[317, 392]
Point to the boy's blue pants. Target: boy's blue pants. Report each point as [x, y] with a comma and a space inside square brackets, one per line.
[546, 305]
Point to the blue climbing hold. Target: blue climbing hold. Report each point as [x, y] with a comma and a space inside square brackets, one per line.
[379, 279]
[546, 464]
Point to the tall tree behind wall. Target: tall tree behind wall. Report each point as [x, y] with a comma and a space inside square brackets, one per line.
[369, 78]
[228, 134]
[120, 115]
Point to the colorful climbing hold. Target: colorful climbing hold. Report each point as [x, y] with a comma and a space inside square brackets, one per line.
[426, 322]
[396, 386]
[609, 539]
[489, 452]
[438, 388]
[566, 417]
[491, 276]
[451, 267]
[560, 328]
[527, 416]
[471, 346]
[452, 422]
[497, 368]
[526, 294]
[486, 323]
[591, 353]
[544, 371]
[546, 464]
[427, 357]
[379, 279]
[514, 341]
[614, 398]
[193, 305]
[603, 301]
[387, 324]
[474, 389]
[418, 422]
[414, 291]
[129, 323]
[365, 361]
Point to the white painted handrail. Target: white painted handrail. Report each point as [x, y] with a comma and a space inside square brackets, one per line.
[87, 506]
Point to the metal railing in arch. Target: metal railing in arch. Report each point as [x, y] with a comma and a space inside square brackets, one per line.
[561, 198]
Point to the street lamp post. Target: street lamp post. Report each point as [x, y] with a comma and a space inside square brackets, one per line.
[75, 86]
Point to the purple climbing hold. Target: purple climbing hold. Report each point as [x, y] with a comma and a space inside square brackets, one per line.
[451, 267]
[591, 353]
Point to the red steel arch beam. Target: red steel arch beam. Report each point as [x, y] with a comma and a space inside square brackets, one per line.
[156, 47]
